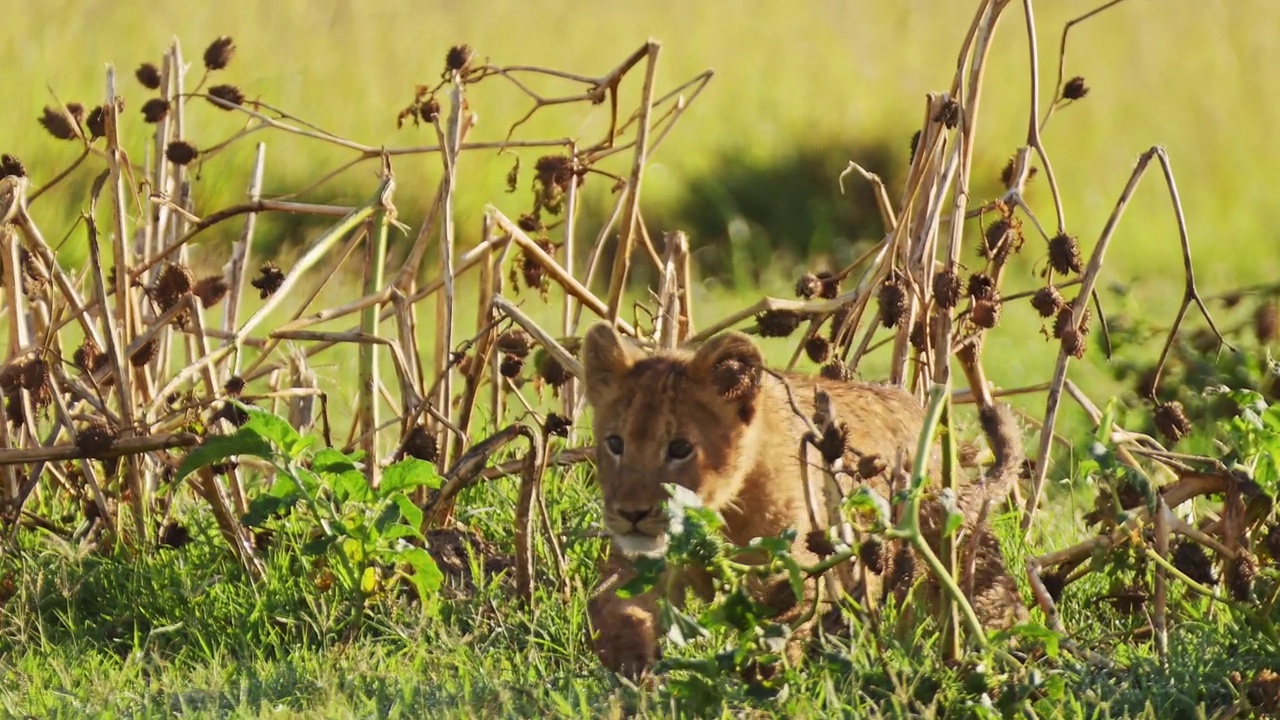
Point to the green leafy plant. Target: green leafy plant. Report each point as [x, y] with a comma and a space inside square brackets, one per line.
[371, 535]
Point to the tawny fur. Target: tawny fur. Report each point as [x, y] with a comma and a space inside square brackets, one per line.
[745, 463]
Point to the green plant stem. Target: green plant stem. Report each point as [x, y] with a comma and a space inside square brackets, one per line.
[1261, 622]
[909, 528]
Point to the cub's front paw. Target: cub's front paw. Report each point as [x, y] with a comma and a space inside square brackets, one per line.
[626, 639]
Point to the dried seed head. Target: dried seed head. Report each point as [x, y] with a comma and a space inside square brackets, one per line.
[14, 411]
[836, 370]
[1047, 301]
[532, 270]
[1266, 321]
[219, 53]
[556, 425]
[946, 289]
[96, 437]
[550, 369]
[530, 223]
[429, 109]
[1064, 255]
[808, 286]
[1264, 692]
[903, 570]
[915, 145]
[96, 123]
[871, 466]
[948, 114]
[1146, 383]
[1001, 238]
[514, 342]
[155, 110]
[1006, 174]
[234, 386]
[420, 444]
[10, 165]
[985, 313]
[173, 282]
[982, 287]
[830, 285]
[1171, 421]
[11, 377]
[457, 59]
[834, 443]
[1240, 575]
[873, 555]
[88, 357]
[818, 349]
[1272, 542]
[893, 301]
[174, 535]
[59, 123]
[181, 152]
[1075, 89]
[210, 289]
[1193, 561]
[917, 336]
[511, 366]
[838, 320]
[1073, 343]
[778, 323]
[227, 93]
[1130, 600]
[1055, 583]
[819, 544]
[231, 413]
[554, 171]
[149, 75]
[144, 354]
[269, 280]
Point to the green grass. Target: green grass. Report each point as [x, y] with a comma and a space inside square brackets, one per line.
[182, 632]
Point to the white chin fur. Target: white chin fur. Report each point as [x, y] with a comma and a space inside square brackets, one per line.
[634, 545]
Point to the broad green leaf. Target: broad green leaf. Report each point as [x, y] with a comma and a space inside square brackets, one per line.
[795, 576]
[353, 549]
[351, 486]
[329, 460]
[409, 473]
[272, 427]
[426, 575]
[401, 530]
[318, 546]
[411, 513]
[263, 508]
[389, 516]
[284, 487]
[369, 580]
[220, 447]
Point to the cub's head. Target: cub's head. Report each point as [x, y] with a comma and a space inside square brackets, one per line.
[686, 419]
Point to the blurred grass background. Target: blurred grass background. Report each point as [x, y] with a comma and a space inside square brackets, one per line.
[800, 89]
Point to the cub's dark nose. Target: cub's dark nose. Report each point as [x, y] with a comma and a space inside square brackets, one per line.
[635, 516]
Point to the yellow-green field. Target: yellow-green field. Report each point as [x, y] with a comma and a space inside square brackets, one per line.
[1191, 76]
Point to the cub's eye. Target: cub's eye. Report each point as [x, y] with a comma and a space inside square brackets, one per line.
[614, 444]
[679, 449]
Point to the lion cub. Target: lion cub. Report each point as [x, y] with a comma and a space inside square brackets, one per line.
[715, 422]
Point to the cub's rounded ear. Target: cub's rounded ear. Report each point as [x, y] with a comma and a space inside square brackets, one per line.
[606, 356]
[732, 363]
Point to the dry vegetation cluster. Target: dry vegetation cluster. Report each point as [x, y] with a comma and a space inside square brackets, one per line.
[117, 370]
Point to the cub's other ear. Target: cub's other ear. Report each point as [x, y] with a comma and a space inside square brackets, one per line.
[731, 363]
[606, 356]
